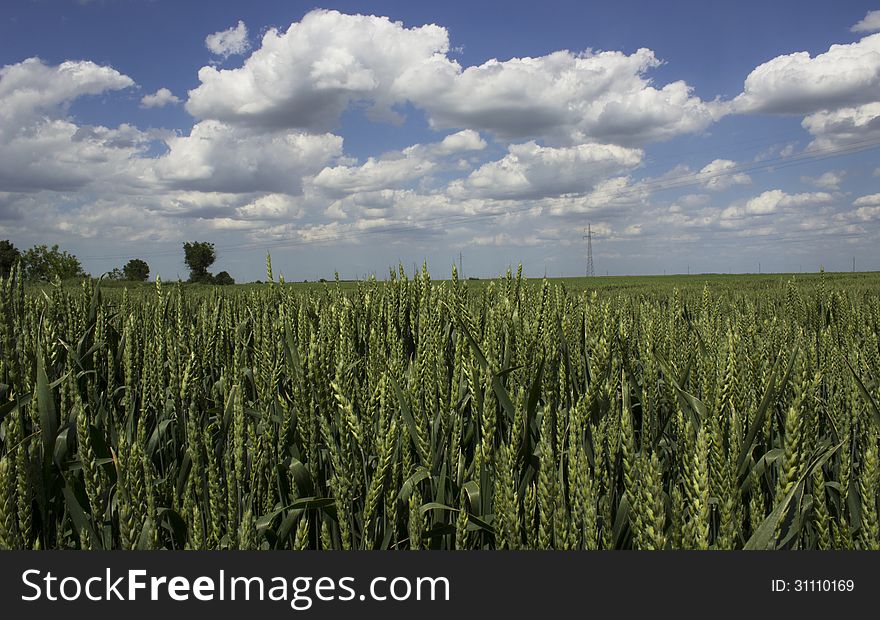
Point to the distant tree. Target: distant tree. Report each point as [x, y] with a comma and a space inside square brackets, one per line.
[115, 274]
[9, 254]
[44, 264]
[198, 256]
[223, 278]
[136, 270]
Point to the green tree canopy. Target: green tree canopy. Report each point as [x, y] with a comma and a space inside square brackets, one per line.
[9, 254]
[42, 263]
[223, 278]
[198, 256]
[136, 270]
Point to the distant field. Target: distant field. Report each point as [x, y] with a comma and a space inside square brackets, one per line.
[868, 280]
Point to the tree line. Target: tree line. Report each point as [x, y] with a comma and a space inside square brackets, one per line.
[42, 263]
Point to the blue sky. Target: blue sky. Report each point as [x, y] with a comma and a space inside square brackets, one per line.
[357, 135]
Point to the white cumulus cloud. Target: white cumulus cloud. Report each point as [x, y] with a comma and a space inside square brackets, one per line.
[271, 207]
[223, 158]
[869, 23]
[868, 207]
[566, 97]
[40, 146]
[530, 171]
[872, 200]
[844, 76]
[844, 125]
[159, 99]
[776, 200]
[230, 42]
[721, 174]
[31, 89]
[466, 140]
[396, 168]
[374, 174]
[306, 76]
[372, 208]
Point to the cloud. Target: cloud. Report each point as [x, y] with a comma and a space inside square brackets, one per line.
[250, 209]
[829, 180]
[868, 207]
[31, 89]
[677, 218]
[532, 171]
[237, 172]
[59, 155]
[230, 42]
[13, 207]
[771, 201]
[401, 206]
[763, 221]
[869, 23]
[721, 174]
[867, 214]
[271, 207]
[871, 200]
[219, 157]
[787, 150]
[40, 146]
[466, 140]
[837, 91]
[780, 151]
[845, 76]
[776, 200]
[396, 168]
[374, 174]
[566, 97]
[844, 126]
[159, 99]
[308, 75]
[616, 196]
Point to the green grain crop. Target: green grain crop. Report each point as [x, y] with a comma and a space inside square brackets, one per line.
[696, 413]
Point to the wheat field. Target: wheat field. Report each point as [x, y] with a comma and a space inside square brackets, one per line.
[414, 414]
